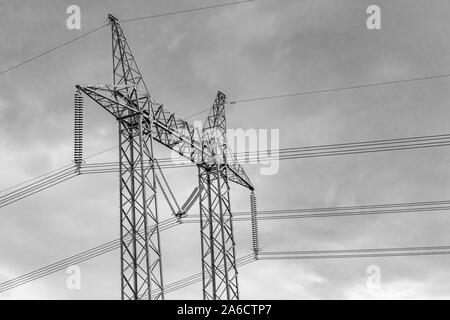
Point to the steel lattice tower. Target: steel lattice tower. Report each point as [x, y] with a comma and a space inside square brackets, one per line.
[142, 120]
[218, 248]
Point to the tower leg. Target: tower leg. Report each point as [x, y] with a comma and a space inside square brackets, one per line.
[141, 270]
[217, 242]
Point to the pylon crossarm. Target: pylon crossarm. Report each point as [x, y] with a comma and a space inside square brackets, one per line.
[171, 131]
[111, 98]
[237, 174]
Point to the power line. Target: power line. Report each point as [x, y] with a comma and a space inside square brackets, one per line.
[198, 277]
[337, 89]
[405, 207]
[55, 177]
[348, 256]
[46, 52]
[364, 250]
[369, 210]
[328, 90]
[354, 253]
[187, 11]
[331, 254]
[398, 144]
[35, 178]
[38, 186]
[52, 49]
[75, 259]
[322, 91]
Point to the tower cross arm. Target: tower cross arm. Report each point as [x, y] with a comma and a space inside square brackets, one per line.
[175, 133]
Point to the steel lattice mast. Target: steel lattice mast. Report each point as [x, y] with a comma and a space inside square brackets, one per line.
[141, 256]
[218, 248]
[142, 120]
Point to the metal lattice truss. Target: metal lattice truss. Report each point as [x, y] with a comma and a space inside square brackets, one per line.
[217, 242]
[141, 120]
[138, 211]
[171, 131]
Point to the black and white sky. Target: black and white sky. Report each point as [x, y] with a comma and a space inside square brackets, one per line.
[263, 48]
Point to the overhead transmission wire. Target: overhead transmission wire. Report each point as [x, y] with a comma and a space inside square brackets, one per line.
[329, 90]
[398, 144]
[354, 253]
[46, 182]
[46, 52]
[76, 259]
[374, 209]
[220, 5]
[301, 93]
[63, 44]
[107, 249]
[182, 283]
[65, 173]
[344, 88]
[35, 178]
[328, 212]
[40, 183]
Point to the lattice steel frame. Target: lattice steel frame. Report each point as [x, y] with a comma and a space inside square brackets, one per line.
[220, 276]
[219, 271]
[141, 119]
[138, 210]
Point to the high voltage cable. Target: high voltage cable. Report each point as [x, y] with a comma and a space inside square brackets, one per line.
[51, 50]
[329, 90]
[240, 216]
[75, 259]
[320, 254]
[113, 167]
[46, 52]
[35, 178]
[304, 152]
[345, 88]
[280, 215]
[363, 250]
[330, 254]
[187, 11]
[355, 253]
[198, 277]
[348, 256]
[40, 185]
[55, 177]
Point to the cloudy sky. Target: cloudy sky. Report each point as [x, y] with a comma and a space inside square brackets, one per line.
[268, 47]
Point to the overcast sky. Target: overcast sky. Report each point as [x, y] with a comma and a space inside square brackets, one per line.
[268, 47]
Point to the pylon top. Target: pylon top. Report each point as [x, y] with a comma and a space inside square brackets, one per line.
[111, 18]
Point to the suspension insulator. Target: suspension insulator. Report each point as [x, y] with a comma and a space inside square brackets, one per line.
[254, 218]
[78, 130]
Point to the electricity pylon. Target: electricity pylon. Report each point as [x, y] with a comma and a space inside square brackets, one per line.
[141, 119]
